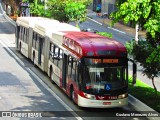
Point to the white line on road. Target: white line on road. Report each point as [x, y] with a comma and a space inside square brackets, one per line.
[108, 27]
[117, 30]
[42, 83]
[95, 21]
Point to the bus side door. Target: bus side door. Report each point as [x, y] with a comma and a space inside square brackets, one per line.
[64, 70]
[40, 50]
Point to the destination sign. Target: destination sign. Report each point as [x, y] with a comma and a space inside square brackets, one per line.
[105, 60]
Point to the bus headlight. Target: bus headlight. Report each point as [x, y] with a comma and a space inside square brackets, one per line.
[122, 96]
[89, 96]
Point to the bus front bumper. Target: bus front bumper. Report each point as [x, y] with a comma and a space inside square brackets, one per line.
[84, 102]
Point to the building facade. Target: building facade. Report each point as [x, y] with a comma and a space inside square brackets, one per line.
[107, 6]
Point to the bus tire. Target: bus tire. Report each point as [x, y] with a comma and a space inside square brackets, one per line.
[51, 74]
[34, 59]
[72, 93]
[20, 48]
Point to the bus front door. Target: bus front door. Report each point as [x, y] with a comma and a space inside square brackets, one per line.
[64, 70]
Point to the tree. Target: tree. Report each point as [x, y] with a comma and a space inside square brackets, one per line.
[68, 10]
[14, 5]
[147, 14]
[76, 11]
[37, 8]
[56, 10]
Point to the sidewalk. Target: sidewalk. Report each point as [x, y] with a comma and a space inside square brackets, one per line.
[107, 22]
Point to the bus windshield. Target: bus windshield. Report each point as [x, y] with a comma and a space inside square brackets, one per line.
[104, 78]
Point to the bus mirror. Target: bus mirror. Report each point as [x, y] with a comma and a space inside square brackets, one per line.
[134, 73]
[134, 76]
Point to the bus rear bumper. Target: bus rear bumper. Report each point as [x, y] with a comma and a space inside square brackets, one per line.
[84, 102]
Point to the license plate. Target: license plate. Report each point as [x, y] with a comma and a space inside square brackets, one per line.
[106, 103]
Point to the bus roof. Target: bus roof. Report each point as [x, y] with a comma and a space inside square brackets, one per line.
[48, 27]
[91, 44]
[29, 21]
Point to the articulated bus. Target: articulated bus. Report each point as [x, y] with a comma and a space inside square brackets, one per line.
[91, 69]
[25, 30]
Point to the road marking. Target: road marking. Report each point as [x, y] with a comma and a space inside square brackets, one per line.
[41, 82]
[108, 27]
[117, 30]
[95, 21]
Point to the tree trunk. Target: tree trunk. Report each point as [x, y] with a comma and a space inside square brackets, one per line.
[136, 33]
[155, 90]
[77, 24]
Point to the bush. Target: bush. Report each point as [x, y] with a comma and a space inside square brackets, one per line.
[145, 93]
[106, 34]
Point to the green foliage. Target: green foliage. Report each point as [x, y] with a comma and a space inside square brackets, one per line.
[144, 93]
[105, 34]
[147, 55]
[68, 10]
[30, 1]
[144, 12]
[76, 11]
[37, 8]
[147, 14]
[129, 46]
[56, 10]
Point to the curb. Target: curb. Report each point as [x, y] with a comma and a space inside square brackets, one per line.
[141, 107]
[5, 16]
[9, 19]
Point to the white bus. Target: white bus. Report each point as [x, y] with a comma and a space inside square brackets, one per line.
[42, 33]
[24, 31]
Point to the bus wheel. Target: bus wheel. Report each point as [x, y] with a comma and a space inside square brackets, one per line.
[20, 48]
[34, 59]
[51, 75]
[72, 93]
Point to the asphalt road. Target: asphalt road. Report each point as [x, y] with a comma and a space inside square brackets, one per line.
[25, 88]
[20, 89]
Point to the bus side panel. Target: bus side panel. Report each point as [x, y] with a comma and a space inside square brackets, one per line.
[56, 73]
[70, 83]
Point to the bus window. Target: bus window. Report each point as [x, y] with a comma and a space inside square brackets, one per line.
[34, 41]
[51, 54]
[56, 51]
[23, 34]
[97, 77]
[69, 66]
[41, 39]
[60, 62]
[72, 68]
[27, 33]
[20, 33]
